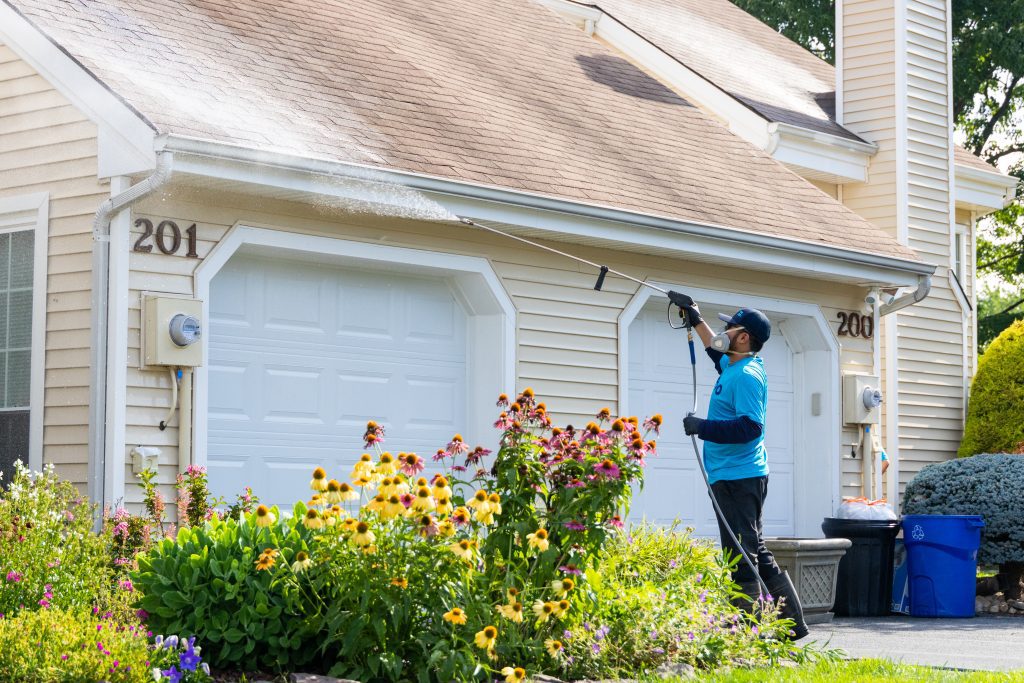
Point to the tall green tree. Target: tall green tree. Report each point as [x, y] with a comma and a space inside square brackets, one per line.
[988, 106]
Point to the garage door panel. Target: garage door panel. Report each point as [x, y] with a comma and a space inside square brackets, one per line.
[322, 351]
[778, 506]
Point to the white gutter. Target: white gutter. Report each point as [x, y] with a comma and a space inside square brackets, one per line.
[924, 286]
[100, 352]
[463, 189]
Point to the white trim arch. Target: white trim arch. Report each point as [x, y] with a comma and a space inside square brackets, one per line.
[816, 389]
[492, 316]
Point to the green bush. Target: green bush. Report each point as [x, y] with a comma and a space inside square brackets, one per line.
[994, 423]
[51, 558]
[989, 485]
[69, 645]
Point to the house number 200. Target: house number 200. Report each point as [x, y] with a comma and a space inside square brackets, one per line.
[854, 324]
[167, 237]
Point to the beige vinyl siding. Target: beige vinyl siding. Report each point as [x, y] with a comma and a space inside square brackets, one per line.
[47, 145]
[567, 334]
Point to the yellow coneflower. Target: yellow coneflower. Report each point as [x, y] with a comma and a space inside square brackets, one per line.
[346, 492]
[401, 486]
[333, 494]
[446, 528]
[424, 502]
[363, 467]
[319, 481]
[393, 507]
[485, 639]
[363, 481]
[302, 562]
[386, 465]
[494, 502]
[363, 537]
[421, 481]
[444, 505]
[554, 647]
[513, 611]
[400, 581]
[369, 550]
[441, 488]
[315, 500]
[455, 616]
[512, 594]
[538, 539]
[460, 516]
[543, 610]
[561, 608]
[516, 675]
[264, 563]
[562, 586]
[478, 501]
[270, 552]
[349, 524]
[377, 503]
[464, 549]
[264, 517]
[484, 516]
[387, 486]
[313, 520]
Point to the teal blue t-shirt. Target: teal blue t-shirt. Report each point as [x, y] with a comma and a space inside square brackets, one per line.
[742, 389]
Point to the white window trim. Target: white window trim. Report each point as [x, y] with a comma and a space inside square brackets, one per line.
[36, 210]
[808, 333]
[490, 329]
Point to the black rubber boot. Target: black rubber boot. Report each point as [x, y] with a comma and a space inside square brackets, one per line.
[781, 587]
[751, 590]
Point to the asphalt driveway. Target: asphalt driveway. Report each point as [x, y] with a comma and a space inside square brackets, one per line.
[994, 643]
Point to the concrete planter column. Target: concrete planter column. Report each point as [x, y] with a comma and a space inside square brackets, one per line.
[813, 565]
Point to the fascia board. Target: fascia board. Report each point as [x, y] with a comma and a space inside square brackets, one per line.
[845, 161]
[125, 137]
[353, 182]
[983, 191]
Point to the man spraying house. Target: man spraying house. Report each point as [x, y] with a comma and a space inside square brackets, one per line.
[734, 451]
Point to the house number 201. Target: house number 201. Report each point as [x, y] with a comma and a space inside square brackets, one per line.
[167, 237]
[855, 324]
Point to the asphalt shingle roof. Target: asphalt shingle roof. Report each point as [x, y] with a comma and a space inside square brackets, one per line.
[500, 92]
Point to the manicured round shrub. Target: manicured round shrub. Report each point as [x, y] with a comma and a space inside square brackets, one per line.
[994, 418]
[989, 485]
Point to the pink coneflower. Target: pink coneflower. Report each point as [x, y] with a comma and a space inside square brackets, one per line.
[478, 454]
[407, 500]
[458, 468]
[653, 424]
[615, 522]
[412, 464]
[456, 446]
[503, 421]
[576, 484]
[14, 577]
[502, 401]
[571, 569]
[574, 526]
[126, 585]
[607, 468]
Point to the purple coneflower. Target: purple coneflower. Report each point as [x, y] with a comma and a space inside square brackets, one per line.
[574, 526]
[607, 468]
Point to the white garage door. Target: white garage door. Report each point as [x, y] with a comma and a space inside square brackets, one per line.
[660, 381]
[302, 355]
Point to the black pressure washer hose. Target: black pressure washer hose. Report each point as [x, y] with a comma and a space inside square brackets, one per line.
[680, 300]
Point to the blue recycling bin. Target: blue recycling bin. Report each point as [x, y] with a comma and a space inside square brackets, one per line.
[942, 562]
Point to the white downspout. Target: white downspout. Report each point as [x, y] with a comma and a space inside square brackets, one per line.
[924, 286]
[101, 351]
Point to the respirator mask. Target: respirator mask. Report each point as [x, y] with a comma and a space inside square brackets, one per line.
[722, 341]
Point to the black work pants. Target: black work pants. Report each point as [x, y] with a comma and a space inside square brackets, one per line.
[742, 503]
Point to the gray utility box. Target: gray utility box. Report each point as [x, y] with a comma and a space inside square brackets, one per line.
[813, 565]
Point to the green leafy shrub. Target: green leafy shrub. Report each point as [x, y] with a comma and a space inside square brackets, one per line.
[994, 423]
[51, 558]
[988, 485]
[73, 646]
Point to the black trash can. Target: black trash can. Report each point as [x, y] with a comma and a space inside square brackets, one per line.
[864, 584]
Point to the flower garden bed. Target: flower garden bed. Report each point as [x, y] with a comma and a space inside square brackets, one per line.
[481, 567]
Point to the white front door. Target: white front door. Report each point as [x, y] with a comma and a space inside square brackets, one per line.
[301, 355]
[660, 381]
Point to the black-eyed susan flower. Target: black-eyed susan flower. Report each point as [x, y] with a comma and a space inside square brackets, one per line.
[455, 616]
[512, 611]
[386, 465]
[485, 638]
[538, 539]
[302, 562]
[264, 517]
[400, 581]
[543, 610]
[478, 501]
[460, 516]
[363, 537]
[562, 586]
[333, 494]
[319, 481]
[554, 647]
[494, 503]
[446, 528]
[272, 552]
[266, 560]
[561, 608]
[423, 502]
[313, 520]
[514, 675]
[464, 549]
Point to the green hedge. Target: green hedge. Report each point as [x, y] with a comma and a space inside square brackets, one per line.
[995, 420]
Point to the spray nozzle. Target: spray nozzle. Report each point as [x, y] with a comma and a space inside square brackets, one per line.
[466, 221]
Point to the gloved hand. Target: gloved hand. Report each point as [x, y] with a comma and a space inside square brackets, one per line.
[692, 425]
[688, 306]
